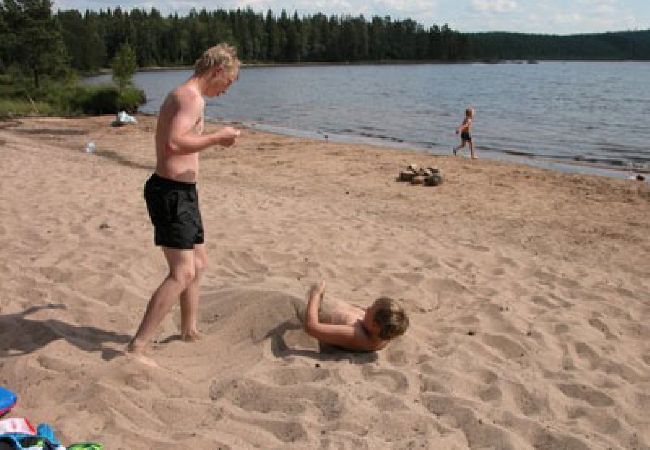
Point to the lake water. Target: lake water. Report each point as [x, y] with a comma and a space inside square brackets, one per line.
[575, 116]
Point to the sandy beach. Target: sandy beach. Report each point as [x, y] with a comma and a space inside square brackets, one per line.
[528, 292]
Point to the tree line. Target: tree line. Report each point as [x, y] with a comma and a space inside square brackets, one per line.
[174, 40]
[282, 38]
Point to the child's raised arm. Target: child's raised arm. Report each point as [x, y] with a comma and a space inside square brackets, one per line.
[345, 336]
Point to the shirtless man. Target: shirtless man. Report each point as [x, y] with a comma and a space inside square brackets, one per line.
[350, 327]
[171, 194]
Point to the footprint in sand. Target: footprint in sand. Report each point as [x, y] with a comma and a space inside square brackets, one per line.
[560, 301]
[567, 360]
[478, 432]
[60, 365]
[623, 371]
[475, 247]
[602, 327]
[391, 380]
[507, 261]
[527, 403]
[561, 328]
[646, 359]
[254, 396]
[544, 439]
[543, 302]
[490, 394]
[550, 279]
[284, 430]
[251, 395]
[585, 352]
[410, 278]
[429, 384]
[298, 375]
[386, 402]
[396, 356]
[490, 391]
[581, 392]
[507, 347]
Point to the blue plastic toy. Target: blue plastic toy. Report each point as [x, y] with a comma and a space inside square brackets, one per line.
[7, 401]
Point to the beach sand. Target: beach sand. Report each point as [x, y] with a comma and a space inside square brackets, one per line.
[528, 292]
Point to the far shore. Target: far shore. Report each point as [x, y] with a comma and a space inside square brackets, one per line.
[384, 62]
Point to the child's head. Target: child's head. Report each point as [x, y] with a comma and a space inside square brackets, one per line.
[469, 112]
[388, 318]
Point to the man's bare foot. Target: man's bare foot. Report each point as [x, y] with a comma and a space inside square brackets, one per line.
[136, 347]
[192, 336]
[142, 359]
[135, 351]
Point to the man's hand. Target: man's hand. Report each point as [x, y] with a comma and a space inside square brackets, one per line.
[226, 136]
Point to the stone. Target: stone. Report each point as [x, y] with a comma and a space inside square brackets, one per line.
[433, 180]
[406, 175]
[418, 179]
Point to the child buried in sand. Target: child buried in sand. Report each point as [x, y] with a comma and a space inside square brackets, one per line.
[350, 327]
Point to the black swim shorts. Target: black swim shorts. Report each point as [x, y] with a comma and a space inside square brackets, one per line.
[465, 136]
[174, 210]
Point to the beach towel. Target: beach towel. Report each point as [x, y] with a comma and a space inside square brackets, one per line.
[17, 425]
[22, 441]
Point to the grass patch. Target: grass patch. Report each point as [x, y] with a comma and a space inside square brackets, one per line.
[16, 107]
[64, 97]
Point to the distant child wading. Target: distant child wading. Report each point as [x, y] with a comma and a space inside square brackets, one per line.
[465, 130]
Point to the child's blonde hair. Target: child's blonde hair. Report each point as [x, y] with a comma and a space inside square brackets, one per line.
[222, 55]
[390, 317]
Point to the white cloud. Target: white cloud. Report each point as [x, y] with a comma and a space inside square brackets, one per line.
[495, 6]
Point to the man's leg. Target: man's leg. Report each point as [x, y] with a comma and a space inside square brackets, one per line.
[190, 296]
[181, 274]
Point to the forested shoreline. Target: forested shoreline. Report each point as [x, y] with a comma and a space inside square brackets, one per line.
[175, 40]
[91, 39]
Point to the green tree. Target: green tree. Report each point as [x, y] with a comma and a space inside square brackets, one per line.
[34, 41]
[124, 65]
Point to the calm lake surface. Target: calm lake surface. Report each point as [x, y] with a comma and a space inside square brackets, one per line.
[576, 116]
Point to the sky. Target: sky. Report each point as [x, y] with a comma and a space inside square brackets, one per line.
[526, 16]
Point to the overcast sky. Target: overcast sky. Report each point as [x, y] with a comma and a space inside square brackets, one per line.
[528, 16]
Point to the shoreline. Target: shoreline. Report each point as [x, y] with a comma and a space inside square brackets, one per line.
[254, 65]
[563, 166]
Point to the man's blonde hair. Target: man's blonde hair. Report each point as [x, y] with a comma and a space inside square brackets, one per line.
[222, 55]
[390, 317]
